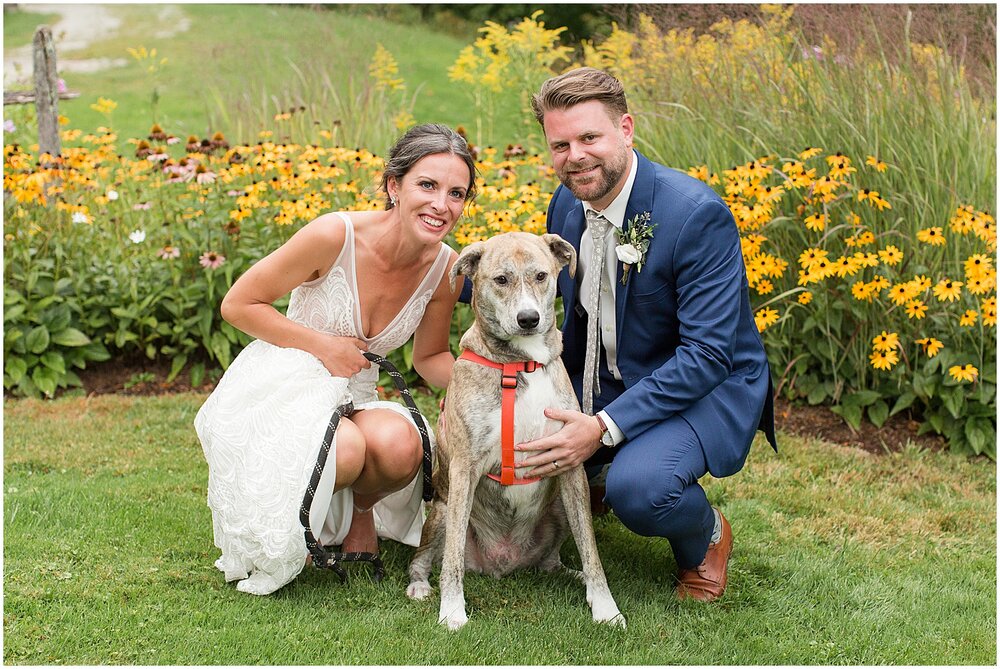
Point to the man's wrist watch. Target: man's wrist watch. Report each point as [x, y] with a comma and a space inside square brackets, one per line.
[606, 437]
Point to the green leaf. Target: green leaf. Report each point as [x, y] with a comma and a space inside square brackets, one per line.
[904, 401]
[15, 368]
[54, 361]
[176, 366]
[953, 399]
[878, 413]
[851, 414]
[38, 339]
[70, 337]
[976, 435]
[197, 374]
[14, 312]
[817, 394]
[862, 398]
[45, 379]
[220, 348]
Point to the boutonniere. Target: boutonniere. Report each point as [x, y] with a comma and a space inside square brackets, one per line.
[633, 243]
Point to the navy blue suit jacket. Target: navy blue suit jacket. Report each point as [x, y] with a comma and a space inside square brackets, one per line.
[686, 342]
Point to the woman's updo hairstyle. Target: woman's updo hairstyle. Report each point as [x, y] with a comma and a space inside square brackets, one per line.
[421, 141]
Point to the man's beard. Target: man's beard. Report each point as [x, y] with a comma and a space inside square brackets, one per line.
[608, 176]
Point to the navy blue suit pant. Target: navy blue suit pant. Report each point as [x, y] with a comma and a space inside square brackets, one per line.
[652, 483]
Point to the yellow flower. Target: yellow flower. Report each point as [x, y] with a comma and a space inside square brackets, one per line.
[978, 265]
[891, 255]
[383, 70]
[933, 236]
[886, 341]
[989, 308]
[816, 222]
[765, 318]
[809, 152]
[916, 309]
[104, 106]
[876, 163]
[811, 256]
[764, 287]
[963, 373]
[883, 360]
[805, 298]
[969, 318]
[863, 291]
[930, 345]
[948, 290]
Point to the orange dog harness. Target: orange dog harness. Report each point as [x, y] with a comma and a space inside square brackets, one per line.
[508, 384]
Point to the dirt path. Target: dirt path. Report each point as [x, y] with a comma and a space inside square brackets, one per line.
[79, 26]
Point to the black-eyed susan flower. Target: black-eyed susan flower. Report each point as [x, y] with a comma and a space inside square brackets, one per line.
[816, 222]
[764, 287]
[765, 318]
[966, 373]
[886, 341]
[890, 255]
[916, 309]
[930, 345]
[876, 163]
[969, 318]
[809, 152]
[933, 236]
[977, 265]
[883, 360]
[805, 297]
[863, 292]
[948, 290]
[989, 311]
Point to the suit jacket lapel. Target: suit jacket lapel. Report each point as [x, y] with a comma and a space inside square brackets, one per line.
[572, 232]
[640, 200]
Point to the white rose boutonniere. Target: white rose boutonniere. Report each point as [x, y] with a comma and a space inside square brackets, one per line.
[633, 243]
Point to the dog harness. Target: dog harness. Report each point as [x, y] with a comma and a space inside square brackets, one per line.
[508, 385]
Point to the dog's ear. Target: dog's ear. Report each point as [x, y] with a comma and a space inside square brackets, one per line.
[563, 251]
[468, 261]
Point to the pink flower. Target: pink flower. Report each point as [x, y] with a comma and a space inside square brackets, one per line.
[141, 206]
[173, 140]
[234, 193]
[169, 252]
[211, 259]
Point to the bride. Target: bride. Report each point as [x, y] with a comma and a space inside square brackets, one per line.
[360, 281]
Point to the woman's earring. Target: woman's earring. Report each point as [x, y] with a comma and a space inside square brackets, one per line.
[392, 200]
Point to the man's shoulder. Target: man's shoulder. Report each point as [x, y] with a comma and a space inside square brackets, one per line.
[682, 189]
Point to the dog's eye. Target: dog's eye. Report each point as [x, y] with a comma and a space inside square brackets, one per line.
[500, 280]
[541, 276]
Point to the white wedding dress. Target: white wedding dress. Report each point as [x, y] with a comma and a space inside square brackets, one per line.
[262, 427]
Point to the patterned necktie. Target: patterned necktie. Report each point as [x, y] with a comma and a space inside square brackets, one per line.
[598, 226]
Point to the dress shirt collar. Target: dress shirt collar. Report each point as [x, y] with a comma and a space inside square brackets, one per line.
[615, 212]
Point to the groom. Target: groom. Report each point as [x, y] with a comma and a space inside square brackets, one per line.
[659, 338]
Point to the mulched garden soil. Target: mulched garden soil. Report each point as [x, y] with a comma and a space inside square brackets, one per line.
[143, 377]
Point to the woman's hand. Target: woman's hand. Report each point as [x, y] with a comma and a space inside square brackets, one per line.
[342, 355]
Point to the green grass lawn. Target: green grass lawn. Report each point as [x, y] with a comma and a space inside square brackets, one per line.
[841, 557]
[238, 63]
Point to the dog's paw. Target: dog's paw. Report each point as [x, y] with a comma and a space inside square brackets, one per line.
[452, 615]
[418, 590]
[455, 622]
[606, 611]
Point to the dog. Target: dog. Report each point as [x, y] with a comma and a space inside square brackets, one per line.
[476, 523]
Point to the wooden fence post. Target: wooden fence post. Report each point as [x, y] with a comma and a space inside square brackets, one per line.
[46, 92]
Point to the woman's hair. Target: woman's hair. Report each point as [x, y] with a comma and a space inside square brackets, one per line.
[426, 140]
[580, 85]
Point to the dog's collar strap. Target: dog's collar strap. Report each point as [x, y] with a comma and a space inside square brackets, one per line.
[508, 386]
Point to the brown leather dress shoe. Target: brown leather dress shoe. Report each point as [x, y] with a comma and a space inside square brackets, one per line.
[707, 581]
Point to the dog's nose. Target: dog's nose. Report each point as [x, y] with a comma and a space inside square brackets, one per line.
[527, 319]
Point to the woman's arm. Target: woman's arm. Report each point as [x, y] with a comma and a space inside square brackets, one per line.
[306, 256]
[432, 356]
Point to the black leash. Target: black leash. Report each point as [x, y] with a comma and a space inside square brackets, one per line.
[322, 557]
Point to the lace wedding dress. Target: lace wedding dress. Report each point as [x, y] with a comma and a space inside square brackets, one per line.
[262, 427]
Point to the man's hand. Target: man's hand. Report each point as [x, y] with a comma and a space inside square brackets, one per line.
[576, 440]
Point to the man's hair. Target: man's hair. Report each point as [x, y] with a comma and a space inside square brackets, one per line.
[580, 85]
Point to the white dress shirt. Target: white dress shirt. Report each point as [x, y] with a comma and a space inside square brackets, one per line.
[615, 214]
